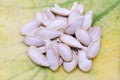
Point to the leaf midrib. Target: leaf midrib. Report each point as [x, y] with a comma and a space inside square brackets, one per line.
[110, 8]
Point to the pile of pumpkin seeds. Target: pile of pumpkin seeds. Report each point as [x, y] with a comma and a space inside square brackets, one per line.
[59, 36]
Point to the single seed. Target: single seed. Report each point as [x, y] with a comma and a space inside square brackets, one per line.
[93, 49]
[65, 52]
[87, 20]
[29, 27]
[57, 24]
[52, 58]
[61, 11]
[70, 66]
[84, 63]
[33, 41]
[83, 36]
[37, 57]
[46, 33]
[71, 41]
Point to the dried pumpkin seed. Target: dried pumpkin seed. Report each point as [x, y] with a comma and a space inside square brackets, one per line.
[33, 41]
[65, 52]
[84, 63]
[83, 36]
[37, 57]
[70, 66]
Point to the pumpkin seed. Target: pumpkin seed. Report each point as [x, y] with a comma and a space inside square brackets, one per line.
[83, 36]
[29, 27]
[57, 24]
[46, 33]
[52, 58]
[70, 66]
[71, 41]
[60, 11]
[87, 20]
[93, 49]
[37, 57]
[33, 41]
[84, 63]
[65, 52]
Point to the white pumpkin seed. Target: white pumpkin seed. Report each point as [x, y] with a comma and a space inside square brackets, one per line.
[93, 49]
[71, 41]
[37, 57]
[46, 33]
[70, 66]
[73, 26]
[33, 41]
[52, 58]
[83, 36]
[65, 52]
[50, 15]
[61, 11]
[57, 24]
[29, 27]
[95, 33]
[87, 20]
[84, 63]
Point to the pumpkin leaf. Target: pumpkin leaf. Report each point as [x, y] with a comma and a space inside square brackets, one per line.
[14, 62]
